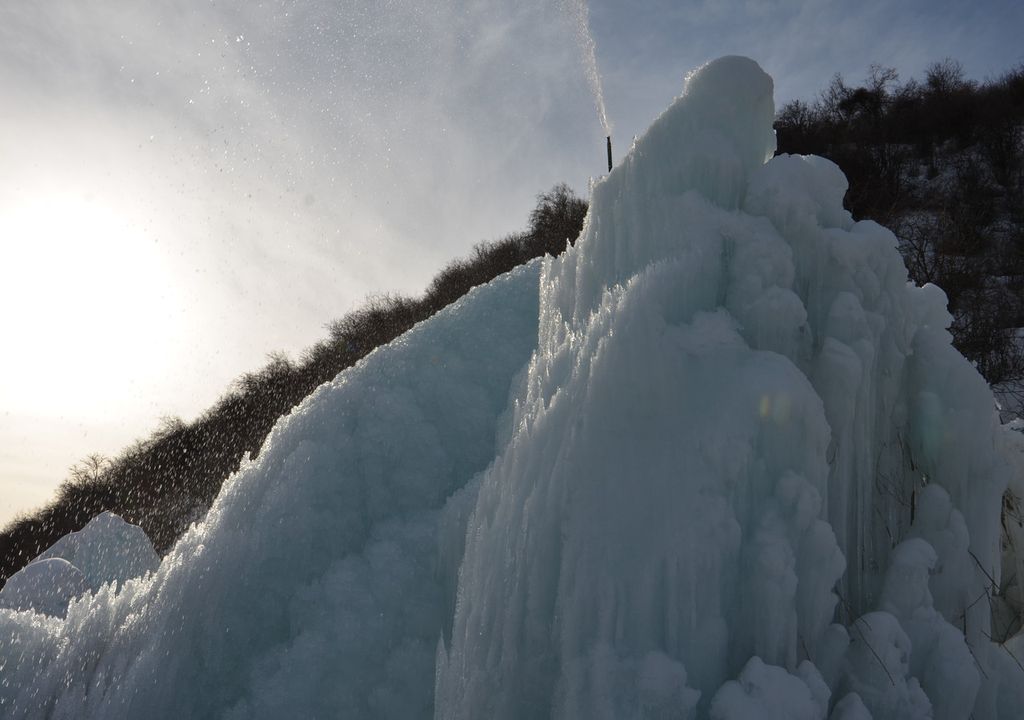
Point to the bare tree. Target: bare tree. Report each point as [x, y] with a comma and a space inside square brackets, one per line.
[89, 470]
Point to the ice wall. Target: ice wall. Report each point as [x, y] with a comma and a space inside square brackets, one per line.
[738, 416]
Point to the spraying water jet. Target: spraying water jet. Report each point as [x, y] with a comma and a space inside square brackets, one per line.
[580, 15]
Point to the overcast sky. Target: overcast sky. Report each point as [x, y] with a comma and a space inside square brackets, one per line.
[190, 185]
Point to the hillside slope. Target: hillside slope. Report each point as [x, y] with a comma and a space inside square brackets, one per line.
[169, 480]
[311, 586]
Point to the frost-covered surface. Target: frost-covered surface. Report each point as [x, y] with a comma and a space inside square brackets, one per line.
[1009, 609]
[44, 586]
[743, 475]
[106, 550]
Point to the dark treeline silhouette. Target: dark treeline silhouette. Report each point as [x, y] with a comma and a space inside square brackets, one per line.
[941, 162]
[165, 482]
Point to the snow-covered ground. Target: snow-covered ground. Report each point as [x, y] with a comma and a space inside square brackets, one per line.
[719, 460]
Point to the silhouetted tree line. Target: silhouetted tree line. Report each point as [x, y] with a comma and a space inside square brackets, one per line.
[170, 479]
[941, 162]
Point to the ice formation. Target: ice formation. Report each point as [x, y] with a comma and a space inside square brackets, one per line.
[741, 423]
[44, 586]
[719, 460]
[106, 550]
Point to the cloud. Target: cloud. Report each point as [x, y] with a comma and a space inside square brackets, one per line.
[314, 133]
[286, 158]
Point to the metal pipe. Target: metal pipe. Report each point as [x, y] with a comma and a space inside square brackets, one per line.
[609, 138]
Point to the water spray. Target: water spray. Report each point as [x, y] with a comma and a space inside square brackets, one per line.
[580, 14]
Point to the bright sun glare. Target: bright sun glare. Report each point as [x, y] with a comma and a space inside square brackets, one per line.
[87, 306]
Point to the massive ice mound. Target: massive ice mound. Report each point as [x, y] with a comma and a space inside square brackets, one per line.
[741, 425]
[719, 460]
